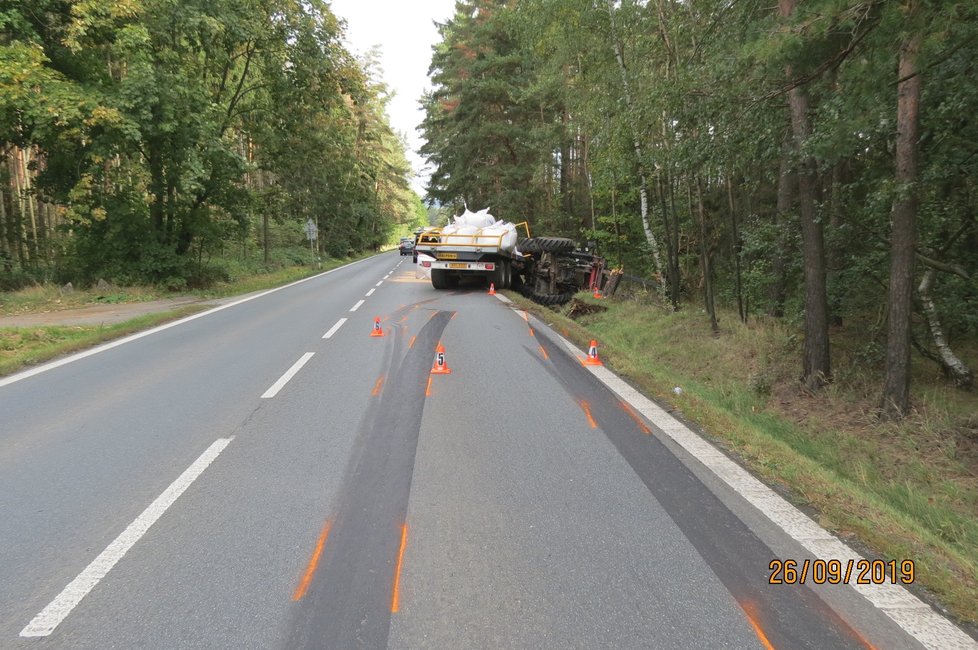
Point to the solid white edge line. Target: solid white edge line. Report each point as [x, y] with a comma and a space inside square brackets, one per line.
[332, 330]
[356, 306]
[51, 365]
[370, 293]
[59, 608]
[289, 374]
[915, 617]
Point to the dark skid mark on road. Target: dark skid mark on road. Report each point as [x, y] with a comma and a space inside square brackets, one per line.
[791, 616]
[348, 603]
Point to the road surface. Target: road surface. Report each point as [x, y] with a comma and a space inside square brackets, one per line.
[269, 475]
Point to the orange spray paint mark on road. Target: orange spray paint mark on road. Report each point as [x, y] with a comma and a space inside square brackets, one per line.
[544, 353]
[751, 612]
[300, 591]
[413, 339]
[403, 318]
[525, 316]
[532, 333]
[587, 412]
[396, 601]
[427, 391]
[378, 386]
[632, 414]
[454, 314]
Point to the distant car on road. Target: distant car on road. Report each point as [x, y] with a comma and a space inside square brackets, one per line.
[406, 247]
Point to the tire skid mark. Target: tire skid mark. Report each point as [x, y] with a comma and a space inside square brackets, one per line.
[396, 599]
[352, 595]
[310, 571]
[644, 428]
[750, 611]
[794, 617]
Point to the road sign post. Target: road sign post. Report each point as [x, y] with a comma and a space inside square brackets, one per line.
[312, 232]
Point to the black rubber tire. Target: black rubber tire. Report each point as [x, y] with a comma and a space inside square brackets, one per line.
[547, 245]
[507, 274]
[516, 280]
[439, 279]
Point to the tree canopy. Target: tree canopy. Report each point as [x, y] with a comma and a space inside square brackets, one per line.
[813, 161]
[143, 136]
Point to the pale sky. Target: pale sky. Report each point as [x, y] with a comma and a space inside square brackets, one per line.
[405, 32]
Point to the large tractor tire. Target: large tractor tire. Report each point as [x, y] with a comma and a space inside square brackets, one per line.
[546, 245]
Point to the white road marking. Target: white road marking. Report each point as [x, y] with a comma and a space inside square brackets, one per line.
[289, 374]
[915, 617]
[379, 283]
[159, 328]
[356, 306]
[59, 608]
[332, 330]
[370, 293]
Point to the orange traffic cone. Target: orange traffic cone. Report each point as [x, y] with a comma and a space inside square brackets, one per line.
[439, 367]
[597, 293]
[492, 289]
[592, 355]
[377, 330]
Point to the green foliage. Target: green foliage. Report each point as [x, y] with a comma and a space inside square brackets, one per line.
[168, 127]
[531, 112]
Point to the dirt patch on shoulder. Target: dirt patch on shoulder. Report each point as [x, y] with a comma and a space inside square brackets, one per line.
[97, 314]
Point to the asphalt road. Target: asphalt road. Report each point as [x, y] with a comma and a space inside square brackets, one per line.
[268, 475]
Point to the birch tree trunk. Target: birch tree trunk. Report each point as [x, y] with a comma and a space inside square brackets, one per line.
[952, 365]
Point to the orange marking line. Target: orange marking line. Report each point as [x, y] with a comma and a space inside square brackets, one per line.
[531, 332]
[751, 612]
[300, 591]
[641, 425]
[403, 318]
[544, 353]
[454, 314]
[411, 342]
[377, 387]
[396, 602]
[525, 317]
[427, 391]
[587, 412]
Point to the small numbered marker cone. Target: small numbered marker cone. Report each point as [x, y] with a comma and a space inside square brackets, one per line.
[377, 330]
[592, 355]
[492, 289]
[440, 367]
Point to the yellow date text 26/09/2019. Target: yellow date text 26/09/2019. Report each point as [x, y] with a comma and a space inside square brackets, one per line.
[834, 572]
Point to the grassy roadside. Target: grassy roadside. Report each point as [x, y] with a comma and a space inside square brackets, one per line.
[901, 491]
[25, 346]
[48, 297]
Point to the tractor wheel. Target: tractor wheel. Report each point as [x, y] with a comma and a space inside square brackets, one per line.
[547, 245]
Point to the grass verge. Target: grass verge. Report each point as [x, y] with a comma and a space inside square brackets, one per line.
[907, 490]
[26, 346]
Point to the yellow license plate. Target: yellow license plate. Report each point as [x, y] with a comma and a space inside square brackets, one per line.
[458, 265]
[448, 256]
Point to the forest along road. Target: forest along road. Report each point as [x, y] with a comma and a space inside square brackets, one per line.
[268, 474]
